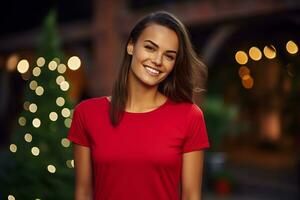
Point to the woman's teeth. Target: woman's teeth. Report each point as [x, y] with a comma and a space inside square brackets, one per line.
[152, 71]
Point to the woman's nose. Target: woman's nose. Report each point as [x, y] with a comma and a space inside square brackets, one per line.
[157, 60]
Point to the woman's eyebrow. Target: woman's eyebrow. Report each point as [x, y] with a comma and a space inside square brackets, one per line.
[170, 51]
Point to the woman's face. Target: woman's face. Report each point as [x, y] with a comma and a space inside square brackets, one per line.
[153, 55]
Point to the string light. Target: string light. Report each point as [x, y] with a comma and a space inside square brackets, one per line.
[270, 52]
[40, 61]
[53, 116]
[65, 112]
[74, 63]
[51, 169]
[60, 101]
[13, 148]
[33, 85]
[61, 68]
[65, 142]
[39, 90]
[68, 122]
[241, 57]
[35, 151]
[64, 86]
[291, 47]
[11, 197]
[36, 71]
[22, 121]
[36, 122]
[52, 65]
[26, 105]
[255, 53]
[60, 79]
[23, 66]
[33, 107]
[28, 137]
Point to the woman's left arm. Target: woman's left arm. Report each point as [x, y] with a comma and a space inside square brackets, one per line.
[192, 170]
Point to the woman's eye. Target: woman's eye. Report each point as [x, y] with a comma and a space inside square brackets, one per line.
[170, 57]
[149, 47]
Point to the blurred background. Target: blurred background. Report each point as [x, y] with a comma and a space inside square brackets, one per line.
[54, 54]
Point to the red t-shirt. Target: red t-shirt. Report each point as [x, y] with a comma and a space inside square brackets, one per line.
[142, 157]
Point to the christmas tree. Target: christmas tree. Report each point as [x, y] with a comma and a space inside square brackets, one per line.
[38, 163]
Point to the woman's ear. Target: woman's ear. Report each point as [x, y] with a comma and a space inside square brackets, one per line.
[130, 48]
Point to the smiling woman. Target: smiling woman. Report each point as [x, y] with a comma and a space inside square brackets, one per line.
[147, 140]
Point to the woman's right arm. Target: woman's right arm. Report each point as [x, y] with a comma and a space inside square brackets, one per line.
[83, 172]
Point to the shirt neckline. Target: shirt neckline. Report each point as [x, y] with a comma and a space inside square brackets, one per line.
[143, 113]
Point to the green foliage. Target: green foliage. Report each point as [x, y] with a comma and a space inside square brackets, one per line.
[221, 119]
[22, 174]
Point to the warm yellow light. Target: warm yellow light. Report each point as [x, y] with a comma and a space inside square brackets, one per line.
[246, 76]
[51, 168]
[64, 86]
[57, 60]
[61, 68]
[67, 122]
[23, 66]
[40, 61]
[248, 82]
[291, 47]
[243, 70]
[65, 112]
[12, 62]
[270, 51]
[60, 79]
[241, 57]
[36, 71]
[255, 53]
[33, 85]
[39, 91]
[11, 197]
[52, 65]
[72, 163]
[13, 148]
[65, 142]
[26, 105]
[60, 101]
[36, 122]
[33, 107]
[22, 121]
[74, 63]
[53, 116]
[69, 163]
[35, 151]
[28, 137]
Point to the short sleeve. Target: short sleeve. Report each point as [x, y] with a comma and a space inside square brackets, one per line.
[196, 138]
[77, 132]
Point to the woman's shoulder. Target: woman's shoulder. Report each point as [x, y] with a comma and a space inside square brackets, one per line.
[187, 108]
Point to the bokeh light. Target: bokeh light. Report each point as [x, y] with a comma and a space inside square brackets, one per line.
[36, 122]
[33, 85]
[60, 79]
[12, 62]
[40, 61]
[53, 116]
[39, 90]
[74, 63]
[23, 66]
[270, 52]
[255, 53]
[51, 169]
[36, 71]
[28, 137]
[65, 112]
[291, 47]
[65, 142]
[35, 151]
[64, 86]
[52, 65]
[241, 57]
[22, 121]
[61, 68]
[13, 148]
[33, 107]
[60, 101]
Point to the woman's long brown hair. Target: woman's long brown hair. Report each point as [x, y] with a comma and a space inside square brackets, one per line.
[188, 75]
